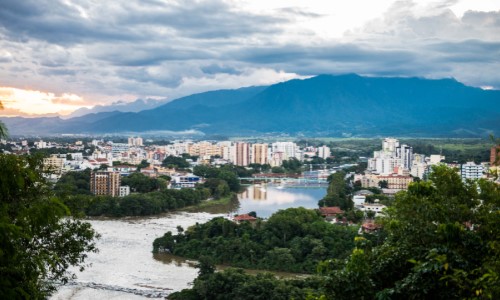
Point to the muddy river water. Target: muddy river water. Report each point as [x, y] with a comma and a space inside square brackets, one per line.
[125, 267]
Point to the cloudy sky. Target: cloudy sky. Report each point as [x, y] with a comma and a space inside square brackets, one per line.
[59, 55]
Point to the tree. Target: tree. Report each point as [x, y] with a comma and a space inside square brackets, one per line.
[442, 243]
[174, 161]
[39, 240]
[144, 164]
[338, 192]
[3, 129]
[383, 184]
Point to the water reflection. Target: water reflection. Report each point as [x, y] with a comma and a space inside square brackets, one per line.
[266, 199]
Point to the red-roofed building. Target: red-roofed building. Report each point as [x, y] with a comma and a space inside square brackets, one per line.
[332, 211]
[370, 227]
[244, 217]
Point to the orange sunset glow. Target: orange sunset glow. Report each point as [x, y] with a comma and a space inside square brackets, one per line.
[29, 102]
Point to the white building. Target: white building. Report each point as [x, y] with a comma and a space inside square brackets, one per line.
[289, 149]
[358, 199]
[471, 171]
[375, 207]
[185, 181]
[124, 190]
[118, 148]
[324, 152]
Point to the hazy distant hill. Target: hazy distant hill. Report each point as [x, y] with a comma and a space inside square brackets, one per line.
[325, 105]
[135, 106]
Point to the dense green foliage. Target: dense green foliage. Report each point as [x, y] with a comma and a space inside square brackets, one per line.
[73, 183]
[338, 193]
[136, 204]
[442, 243]
[141, 183]
[236, 284]
[295, 240]
[175, 162]
[39, 241]
[151, 196]
[228, 173]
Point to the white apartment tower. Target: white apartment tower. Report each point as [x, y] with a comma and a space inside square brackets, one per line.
[324, 152]
[471, 171]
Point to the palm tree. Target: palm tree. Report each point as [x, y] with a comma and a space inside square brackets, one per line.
[3, 129]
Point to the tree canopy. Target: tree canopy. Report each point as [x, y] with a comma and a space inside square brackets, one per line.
[39, 240]
[442, 243]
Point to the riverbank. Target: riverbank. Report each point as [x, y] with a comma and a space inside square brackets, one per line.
[220, 206]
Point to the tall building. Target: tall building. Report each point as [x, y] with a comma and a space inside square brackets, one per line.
[259, 154]
[471, 171]
[242, 154]
[105, 183]
[135, 141]
[390, 145]
[324, 152]
[289, 149]
[405, 153]
[495, 156]
[118, 148]
[54, 163]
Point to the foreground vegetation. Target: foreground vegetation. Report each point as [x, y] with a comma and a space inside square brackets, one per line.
[293, 240]
[440, 240]
[39, 241]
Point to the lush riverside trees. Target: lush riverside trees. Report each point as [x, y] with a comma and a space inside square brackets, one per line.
[442, 242]
[295, 240]
[236, 284]
[439, 240]
[136, 204]
[228, 173]
[39, 240]
[151, 196]
[338, 193]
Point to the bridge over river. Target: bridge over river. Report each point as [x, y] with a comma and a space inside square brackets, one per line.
[287, 181]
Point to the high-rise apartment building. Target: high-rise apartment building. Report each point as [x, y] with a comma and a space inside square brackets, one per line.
[324, 152]
[471, 171]
[242, 154]
[105, 183]
[289, 149]
[390, 145]
[495, 156]
[135, 141]
[259, 154]
[54, 163]
[405, 153]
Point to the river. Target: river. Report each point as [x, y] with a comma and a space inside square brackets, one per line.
[125, 268]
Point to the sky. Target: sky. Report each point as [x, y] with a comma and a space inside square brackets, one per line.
[60, 55]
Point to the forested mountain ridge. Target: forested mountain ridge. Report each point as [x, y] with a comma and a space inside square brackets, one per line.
[325, 105]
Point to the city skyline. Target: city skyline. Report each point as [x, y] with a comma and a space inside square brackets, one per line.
[56, 57]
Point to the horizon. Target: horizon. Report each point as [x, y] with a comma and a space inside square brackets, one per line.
[78, 54]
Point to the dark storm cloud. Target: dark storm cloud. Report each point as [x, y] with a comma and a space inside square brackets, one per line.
[218, 69]
[311, 59]
[54, 22]
[203, 20]
[59, 23]
[469, 51]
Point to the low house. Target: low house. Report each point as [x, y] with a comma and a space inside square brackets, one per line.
[332, 211]
[369, 227]
[185, 181]
[245, 217]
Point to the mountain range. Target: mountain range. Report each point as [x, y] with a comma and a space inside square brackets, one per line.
[325, 105]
